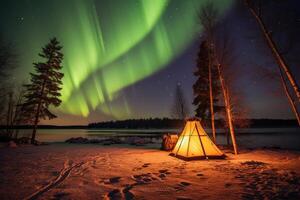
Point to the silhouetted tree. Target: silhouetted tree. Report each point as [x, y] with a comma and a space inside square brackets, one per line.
[7, 64]
[209, 20]
[14, 115]
[201, 87]
[44, 89]
[7, 61]
[180, 109]
[224, 56]
[208, 16]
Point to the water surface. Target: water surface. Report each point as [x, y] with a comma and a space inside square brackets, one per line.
[286, 138]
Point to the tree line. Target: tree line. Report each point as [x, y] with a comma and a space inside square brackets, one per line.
[167, 123]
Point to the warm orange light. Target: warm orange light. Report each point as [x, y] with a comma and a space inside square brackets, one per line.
[195, 143]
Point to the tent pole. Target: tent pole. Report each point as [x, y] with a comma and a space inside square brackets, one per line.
[180, 142]
[187, 152]
[201, 142]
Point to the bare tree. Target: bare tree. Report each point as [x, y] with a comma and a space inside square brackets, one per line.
[279, 18]
[256, 11]
[278, 76]
[224, 56]
[208, 18]
[14, 114]
[7, 62]
[289, 96]
[180, 109]
[9, 114]
[18, 115]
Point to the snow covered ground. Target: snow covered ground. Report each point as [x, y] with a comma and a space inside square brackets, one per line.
[94, 171]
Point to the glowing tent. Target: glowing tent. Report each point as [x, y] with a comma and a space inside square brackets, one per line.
[194, 143]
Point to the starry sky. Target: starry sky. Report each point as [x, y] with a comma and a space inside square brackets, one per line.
[124, 58]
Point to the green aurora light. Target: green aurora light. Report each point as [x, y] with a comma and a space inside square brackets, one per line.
[110, 45]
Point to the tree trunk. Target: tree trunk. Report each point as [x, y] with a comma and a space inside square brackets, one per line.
[287, 92]
[227, 139]
[15, 119]
[9, 115]
[36, 120]
[228, 110]
[211, 96]
[278, 57]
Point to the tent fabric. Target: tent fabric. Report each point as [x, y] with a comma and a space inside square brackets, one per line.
[194, 143]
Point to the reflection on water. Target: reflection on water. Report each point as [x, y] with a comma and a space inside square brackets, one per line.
[286, 138]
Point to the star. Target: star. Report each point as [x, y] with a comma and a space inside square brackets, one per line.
[21, 19]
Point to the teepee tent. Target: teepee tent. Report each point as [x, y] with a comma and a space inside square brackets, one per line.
[194, 143]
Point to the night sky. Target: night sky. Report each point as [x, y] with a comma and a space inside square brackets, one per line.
[123, 58]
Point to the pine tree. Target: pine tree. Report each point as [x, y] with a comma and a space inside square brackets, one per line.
[201, 86]
[44, 89]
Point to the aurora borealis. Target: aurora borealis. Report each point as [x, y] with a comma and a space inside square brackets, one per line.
[107, 45]
[118, 47]
[111, 48]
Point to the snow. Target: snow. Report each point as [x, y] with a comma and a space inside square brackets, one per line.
[94, 171]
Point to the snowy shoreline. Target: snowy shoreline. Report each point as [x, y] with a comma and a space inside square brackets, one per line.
[93, 171]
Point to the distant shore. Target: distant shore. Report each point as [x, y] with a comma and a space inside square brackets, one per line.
[157, 123]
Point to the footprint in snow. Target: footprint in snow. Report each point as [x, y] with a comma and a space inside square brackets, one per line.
[127, 194]
[181, 185]
[114, 195]
[143, 178]
[184, 184]
[117, 194]
[146, 165]
[163, 173]
[112, 180]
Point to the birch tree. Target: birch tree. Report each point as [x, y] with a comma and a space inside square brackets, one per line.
[208, 17]
[219, 56]
[281, 36]
[223, 48]
[256, 11]
[278, 76]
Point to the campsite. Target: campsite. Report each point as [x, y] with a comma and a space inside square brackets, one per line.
[139, 169]
[149, 99]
